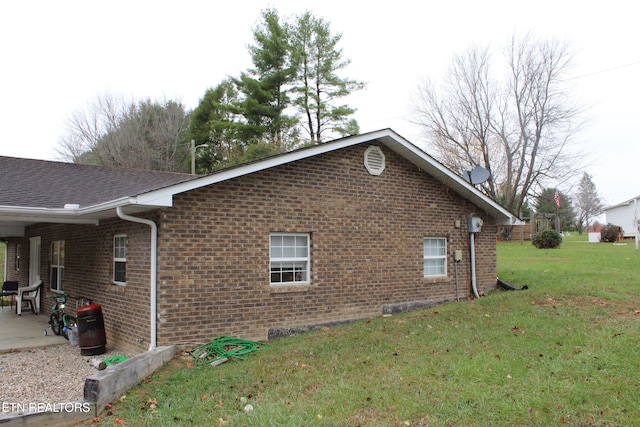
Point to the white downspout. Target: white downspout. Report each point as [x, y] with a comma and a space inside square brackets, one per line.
[475, 225]
[154, 269]
[473, 265]
[636, 225]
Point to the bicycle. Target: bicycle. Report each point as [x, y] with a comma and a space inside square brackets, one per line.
[59, 321]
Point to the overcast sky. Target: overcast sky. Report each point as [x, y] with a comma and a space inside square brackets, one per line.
[58, 55]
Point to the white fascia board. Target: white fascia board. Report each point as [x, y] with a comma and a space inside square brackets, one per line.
[68, 215]
[619, 205]
[90, 215]
[625, 203]
[445, 175]
[75, 215]
[33, 215]
[227, 174]
[160, 198]
[388, 137]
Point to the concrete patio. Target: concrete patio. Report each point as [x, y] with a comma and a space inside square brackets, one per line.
[25, 331]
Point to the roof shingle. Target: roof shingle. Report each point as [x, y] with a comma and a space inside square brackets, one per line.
[46, 184]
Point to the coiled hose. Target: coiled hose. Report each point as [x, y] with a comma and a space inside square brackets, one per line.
[223, 347]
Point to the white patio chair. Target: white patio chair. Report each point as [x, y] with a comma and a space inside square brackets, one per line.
[28, 294]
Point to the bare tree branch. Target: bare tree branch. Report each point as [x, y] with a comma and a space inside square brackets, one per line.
[124, 133]
[520, 130]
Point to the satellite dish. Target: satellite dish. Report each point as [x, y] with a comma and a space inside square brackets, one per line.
[476, 176]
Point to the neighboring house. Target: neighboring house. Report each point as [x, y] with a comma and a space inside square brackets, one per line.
[345, 230]
[625, 215]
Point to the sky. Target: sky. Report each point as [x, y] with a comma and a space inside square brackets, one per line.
[57, 56]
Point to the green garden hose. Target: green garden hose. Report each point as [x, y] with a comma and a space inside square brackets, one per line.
[223, 347]
[113, 360]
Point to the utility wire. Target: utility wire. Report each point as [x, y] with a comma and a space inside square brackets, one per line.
[608, 70]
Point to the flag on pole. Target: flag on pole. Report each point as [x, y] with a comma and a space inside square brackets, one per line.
[556, 197]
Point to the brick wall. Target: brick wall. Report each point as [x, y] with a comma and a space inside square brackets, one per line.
[17, 269]
[366, 231]
[213, 259]
[88, 272]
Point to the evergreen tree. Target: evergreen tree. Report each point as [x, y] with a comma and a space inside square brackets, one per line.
[265, 86]
[217, 127]
[318, 87]
[256, 109]
[546, 203]
[588, 202]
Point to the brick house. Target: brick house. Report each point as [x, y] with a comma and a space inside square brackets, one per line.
[346, 230]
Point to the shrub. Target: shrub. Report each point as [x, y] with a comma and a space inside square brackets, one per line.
[609, 233]
[548, 239]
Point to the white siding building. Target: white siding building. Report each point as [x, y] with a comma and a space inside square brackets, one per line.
[625, 215]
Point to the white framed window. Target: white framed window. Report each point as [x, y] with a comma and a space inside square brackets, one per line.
[120, 259]
[56, 276]
[290, 258]
[435, 256]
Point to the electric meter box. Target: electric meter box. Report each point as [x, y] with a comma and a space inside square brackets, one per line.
[475, 224]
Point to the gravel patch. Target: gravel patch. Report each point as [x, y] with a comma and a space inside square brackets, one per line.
[53, 374]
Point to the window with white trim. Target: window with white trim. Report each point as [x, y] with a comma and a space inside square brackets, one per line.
[290, 259]
[435, 257]
[56, 275]
[120, 259]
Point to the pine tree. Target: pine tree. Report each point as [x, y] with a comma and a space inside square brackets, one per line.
[546, 204]
[318, 87]
[254, 115]
[588, 202]
[217, 127]
[265, 87]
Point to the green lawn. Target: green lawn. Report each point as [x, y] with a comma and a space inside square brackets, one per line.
[563, 352]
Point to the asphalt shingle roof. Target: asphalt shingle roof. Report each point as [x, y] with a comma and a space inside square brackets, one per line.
[46, 184]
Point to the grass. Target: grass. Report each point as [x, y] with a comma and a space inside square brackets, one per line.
[563, 352]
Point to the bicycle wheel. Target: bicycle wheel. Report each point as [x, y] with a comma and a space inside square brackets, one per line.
[69, 321]
[55, 324]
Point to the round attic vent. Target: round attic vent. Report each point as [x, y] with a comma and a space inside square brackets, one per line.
[374, 160]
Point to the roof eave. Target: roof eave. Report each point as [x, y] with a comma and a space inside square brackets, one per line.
[164, 197]
[447, 177]
[387, 137]
[34, 215]
[90, 215]
[625, 203]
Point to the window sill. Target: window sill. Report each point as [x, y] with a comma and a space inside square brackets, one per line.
[438, 279]
[119, 283]
[285, 289]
